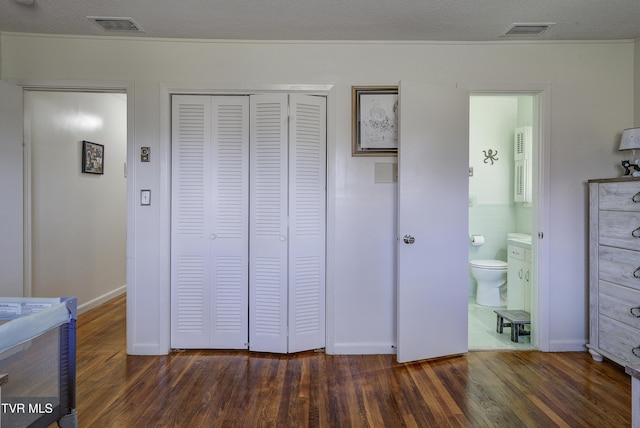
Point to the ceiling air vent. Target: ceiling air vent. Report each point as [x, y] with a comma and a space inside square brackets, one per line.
[116, 24]
[527, 30]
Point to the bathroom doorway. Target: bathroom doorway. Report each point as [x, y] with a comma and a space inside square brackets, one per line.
[503, 140]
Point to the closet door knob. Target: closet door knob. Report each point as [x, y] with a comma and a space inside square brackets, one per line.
[636, 198]
[636, 351]
[635, 311]
[636, 273]
[636, 232]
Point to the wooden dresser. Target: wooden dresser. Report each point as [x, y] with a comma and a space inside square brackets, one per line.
[614, 270]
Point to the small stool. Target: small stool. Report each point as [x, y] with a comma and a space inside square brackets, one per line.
[516, 320]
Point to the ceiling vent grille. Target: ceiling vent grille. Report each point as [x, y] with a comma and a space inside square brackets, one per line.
[527, 30]
[116, 24]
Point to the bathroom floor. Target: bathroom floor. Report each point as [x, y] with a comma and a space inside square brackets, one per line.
[483, 334]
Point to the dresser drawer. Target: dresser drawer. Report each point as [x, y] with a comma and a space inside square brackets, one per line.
[622, 196]
[619, 339]
[620, 303]
[619, 229]
[619, 266]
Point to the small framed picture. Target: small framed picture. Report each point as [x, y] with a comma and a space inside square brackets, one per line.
[92, 158]
[374, 120]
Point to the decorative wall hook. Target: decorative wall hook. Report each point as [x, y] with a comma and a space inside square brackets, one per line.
[490, 156]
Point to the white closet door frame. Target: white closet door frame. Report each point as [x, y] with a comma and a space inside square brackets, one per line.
[287, 193]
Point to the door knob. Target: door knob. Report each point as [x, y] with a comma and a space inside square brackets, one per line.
[408, 239]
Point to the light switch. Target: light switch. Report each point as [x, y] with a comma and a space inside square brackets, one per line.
[145, 197]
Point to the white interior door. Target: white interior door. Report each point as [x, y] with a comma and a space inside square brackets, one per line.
[11, 217]
[209, 230]
[287, 223]
[248, 222]
[307, 200]
[432, 265]
[268, 221]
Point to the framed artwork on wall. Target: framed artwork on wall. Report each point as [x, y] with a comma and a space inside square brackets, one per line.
[92, 158]
[374, 120]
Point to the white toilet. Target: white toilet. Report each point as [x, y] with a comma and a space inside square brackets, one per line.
[491, 276]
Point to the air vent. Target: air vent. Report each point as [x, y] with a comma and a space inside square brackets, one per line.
[527, 30]
[116, 24]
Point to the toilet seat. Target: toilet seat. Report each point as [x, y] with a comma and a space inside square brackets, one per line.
[489, 264]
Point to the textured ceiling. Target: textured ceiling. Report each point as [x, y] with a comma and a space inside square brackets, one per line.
[435, 20]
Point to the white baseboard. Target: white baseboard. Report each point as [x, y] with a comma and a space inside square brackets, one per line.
[567, 346]
[363, 348]
[94, 303]
[145, 349]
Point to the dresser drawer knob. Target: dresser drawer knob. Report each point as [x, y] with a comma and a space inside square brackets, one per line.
[636, 351]
[636, 273]
[636, 232]
[635, 311]
[636, 198]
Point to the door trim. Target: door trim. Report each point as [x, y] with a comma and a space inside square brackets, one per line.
[541, 314]
[68, 86]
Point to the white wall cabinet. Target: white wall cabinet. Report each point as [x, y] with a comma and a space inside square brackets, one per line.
[614, 270]
[248, 222]
[518, 278]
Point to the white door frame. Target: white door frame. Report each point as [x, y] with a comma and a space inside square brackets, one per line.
[541, 173]
[68, 86]
[164, 198]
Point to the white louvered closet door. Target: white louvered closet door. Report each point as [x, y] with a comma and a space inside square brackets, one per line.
[287, 222]
[209, 230]
[268, 223]
[307, 208]
[248, 222]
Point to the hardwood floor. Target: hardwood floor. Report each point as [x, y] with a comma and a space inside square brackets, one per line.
[242, 389]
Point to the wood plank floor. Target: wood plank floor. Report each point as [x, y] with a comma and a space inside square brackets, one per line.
[242, 389]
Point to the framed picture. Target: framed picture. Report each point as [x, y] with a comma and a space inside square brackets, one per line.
[374, 120]
[92, 158]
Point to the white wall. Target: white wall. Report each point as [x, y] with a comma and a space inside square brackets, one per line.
[591, 87]
[78, 219]
[11, 215]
